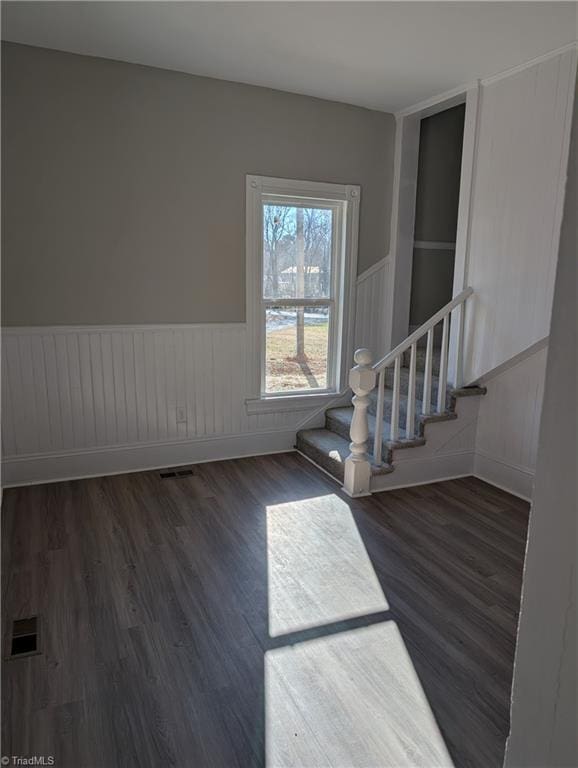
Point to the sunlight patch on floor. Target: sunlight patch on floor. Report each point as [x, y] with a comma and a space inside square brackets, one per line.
[349, 700]
[318, 569]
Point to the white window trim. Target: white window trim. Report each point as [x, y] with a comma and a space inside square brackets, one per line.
[258, 187]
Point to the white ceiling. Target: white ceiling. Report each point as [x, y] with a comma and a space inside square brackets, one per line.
[382, 55]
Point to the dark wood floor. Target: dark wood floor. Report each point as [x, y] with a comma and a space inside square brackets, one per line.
[252, 615]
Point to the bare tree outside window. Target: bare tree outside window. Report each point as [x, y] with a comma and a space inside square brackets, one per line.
[297, 245]
[279, 233]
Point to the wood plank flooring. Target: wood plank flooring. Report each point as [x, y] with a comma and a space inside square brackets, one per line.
[251, 615]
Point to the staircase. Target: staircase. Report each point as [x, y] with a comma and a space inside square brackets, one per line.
[329, 447]
[395, 414]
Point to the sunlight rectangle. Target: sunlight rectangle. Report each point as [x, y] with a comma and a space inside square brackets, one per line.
[361, 683]
[318, 569]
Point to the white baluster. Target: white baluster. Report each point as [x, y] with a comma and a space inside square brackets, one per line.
[394, 433]
[357, 465]
[377, 446]
[410, 413]
[426, 398]
[443, 377]
[459, 369]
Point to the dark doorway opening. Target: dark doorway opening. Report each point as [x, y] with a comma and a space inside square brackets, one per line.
[436, 213]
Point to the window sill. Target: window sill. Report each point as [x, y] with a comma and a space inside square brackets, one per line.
[289, 403]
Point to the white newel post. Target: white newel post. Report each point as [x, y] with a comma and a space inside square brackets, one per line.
[357, 465]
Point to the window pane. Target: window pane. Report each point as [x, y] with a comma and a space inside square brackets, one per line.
[296, 348]
[297, 246]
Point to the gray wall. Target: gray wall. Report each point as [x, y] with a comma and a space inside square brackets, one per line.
[436, 212]
[123, 185]
[544, 716]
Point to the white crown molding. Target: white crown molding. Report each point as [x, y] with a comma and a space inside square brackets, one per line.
[440, 98]
[461, 89]
[527, 64]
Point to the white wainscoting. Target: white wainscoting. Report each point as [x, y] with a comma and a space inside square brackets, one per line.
[509, 425]
[516, 208]
[74, 391]
[80, 401]
[371, 317]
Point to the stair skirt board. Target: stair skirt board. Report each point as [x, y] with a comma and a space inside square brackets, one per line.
[426, 470]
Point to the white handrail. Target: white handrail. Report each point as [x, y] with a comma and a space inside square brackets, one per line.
[422, 330]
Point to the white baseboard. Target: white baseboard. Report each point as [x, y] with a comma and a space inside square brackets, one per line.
[113, 460]
[511, 479]
[116, 460]
[518, 481]
[429, 469]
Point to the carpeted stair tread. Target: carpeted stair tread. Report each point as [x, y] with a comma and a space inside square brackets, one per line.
[325, 448]
[338, 420]
[328, 450]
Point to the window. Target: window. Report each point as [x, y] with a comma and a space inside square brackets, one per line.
[301, 256]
